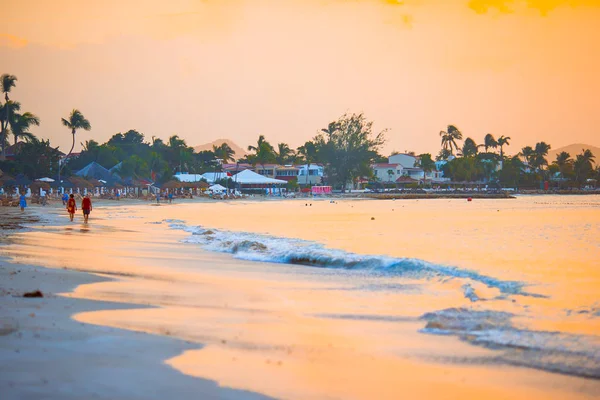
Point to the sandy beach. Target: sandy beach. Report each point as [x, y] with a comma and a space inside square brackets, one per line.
[46, 354]
[139, 304]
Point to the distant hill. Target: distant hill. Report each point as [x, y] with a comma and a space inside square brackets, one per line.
[573, 150]
[239, 152]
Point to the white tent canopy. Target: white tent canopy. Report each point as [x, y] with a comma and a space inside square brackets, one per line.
[45, 180]
[217, 188]
[248, 177]
[189, 177]
[212, 177]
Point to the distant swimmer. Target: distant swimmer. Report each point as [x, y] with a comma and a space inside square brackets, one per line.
[71, 207]
[23, 202]
[86, 207]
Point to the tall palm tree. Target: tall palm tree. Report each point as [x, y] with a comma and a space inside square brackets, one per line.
[563, 160]
[7, 82]
[224, 152]
[283, 153]
[541, 151]
[263, 152]
[528, 154]
[489, 142]
[20, 123]
[450, 137]
[75, 121]
[503, 141]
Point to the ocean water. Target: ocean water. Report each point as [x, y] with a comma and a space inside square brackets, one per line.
[354, 299]
[528, 269]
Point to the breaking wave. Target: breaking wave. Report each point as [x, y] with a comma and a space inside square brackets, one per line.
[560, 352]
[264, 248]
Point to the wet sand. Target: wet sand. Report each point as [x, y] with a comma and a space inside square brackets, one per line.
[282, 331]
[46, 354]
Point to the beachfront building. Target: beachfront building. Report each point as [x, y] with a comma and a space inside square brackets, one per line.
[287, 173]
[405, 160]
[310, 175]
[387, 172]
[305, 175]
[405, 166]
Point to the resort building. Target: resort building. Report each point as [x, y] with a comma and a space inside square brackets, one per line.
[310, 175]
[386, 172]
[403, 169]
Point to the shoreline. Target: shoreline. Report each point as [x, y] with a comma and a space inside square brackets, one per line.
[47, 353]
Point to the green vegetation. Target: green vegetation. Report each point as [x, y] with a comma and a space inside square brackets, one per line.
[346, 148]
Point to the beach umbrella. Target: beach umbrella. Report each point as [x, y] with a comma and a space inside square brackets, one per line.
[173, 184]
[45, 180]
[80, 183]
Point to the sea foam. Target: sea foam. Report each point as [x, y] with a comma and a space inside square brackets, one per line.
[273, 249]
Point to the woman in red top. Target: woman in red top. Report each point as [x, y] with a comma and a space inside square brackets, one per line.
[86, 207]
[71, 207]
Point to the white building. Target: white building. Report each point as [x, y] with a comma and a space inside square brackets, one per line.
[386, 172]
[406, 160]
[310, 175]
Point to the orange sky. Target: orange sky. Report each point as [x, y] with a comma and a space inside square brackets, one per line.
[208, 69]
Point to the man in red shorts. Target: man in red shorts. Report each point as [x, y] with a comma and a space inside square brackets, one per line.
[86, 207]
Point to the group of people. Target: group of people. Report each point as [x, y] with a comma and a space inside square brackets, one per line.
[69, 202]
[86, 206]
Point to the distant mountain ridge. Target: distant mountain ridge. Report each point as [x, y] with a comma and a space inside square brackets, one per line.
[239, 152]
[573, 150]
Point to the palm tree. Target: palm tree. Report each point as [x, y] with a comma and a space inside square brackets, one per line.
[489, 142]
[309, 151]
[450, 137]
[75, 121]
[390, 173]
[541, 151]
[20, 123]
[224, 152]
[469, 148]
[427, 164]
[528, 154]
[263, 152]
[7, 82]
[563, 160]
[501, 142]
[283, 153]
[583, 164]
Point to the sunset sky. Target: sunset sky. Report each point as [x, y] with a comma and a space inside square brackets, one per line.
[208, 69]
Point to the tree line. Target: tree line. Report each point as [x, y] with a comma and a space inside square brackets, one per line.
[529, 167]
[346, 147]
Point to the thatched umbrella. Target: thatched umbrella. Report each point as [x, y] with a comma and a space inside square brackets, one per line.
[80, 183]
[173, 184]
[198, 185]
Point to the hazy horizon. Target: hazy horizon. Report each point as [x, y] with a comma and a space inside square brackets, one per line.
[235, 69]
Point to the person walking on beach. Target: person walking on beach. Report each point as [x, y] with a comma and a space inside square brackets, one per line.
[22, 202]
[157, 197]
[43, 197]
[170, 197]
[86, 207]
[65, 198]
[118, 195]
[71, 207]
